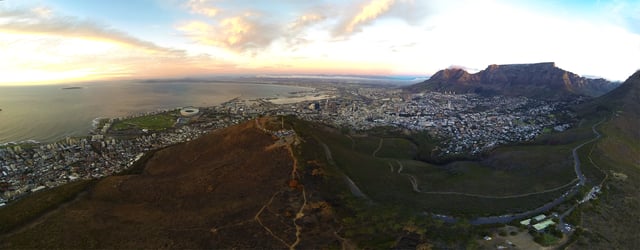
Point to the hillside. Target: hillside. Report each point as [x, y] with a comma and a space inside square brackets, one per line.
[241, 187]
[232, 188]
[612, 222]
[538, 80]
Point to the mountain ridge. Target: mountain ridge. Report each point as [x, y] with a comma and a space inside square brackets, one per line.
[537, 80]
[231, 188]
[617, 158]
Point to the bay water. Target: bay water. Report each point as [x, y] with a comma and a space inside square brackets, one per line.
[49, 113]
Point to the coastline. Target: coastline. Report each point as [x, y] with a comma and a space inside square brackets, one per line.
[289, 100]
[57, 114]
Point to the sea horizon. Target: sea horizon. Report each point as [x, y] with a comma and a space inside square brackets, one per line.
[49, 113]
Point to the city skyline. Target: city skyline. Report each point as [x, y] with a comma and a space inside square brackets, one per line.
[69, 41]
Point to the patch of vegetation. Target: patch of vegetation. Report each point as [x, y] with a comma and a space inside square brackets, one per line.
[312, 151]
[102, 122]
[378, 176]
[546, 239]
[616, 152]
[568, 137]
[366, 144]
[31, 207]
[397, 148]
[379, 226]
[516, 169]
[426, 146]
[150, 122]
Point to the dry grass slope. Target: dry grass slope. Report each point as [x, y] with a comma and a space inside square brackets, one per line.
[223, 190]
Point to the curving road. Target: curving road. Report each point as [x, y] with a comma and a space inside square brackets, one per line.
[576, 159]
[490, 219]
[510, 217]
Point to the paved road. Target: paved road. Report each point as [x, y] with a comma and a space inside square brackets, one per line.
[576, 159]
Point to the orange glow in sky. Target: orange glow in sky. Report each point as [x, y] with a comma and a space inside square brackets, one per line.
[64, 41]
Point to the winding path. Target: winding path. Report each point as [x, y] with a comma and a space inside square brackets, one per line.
[379, 147]
[576, 159]
[510, 217]
[580, 178]
[352, 185]
[257, 219]
[414, 183]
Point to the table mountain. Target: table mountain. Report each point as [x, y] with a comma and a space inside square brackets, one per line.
[538, 80]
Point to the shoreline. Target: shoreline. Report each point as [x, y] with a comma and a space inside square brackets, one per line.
[290, 100]
[19, 128]
[94, 125]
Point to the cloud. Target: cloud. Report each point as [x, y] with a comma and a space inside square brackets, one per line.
[36, 58]
[367, 14]
[40, 46]
[305, 21]
[238, 33]
[242, 26]
[202, 7]
[294, 34]
[408, 10]
[41, 20]
[42, 12]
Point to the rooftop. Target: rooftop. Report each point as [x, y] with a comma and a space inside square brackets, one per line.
[543, 225]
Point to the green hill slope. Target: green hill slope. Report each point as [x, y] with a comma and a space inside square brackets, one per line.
[613, 221]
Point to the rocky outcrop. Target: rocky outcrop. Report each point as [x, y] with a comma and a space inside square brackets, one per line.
[538, 80]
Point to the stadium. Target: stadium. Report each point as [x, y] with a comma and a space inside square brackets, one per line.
[189, 111]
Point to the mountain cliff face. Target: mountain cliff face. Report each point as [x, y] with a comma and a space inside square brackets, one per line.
[539, 80]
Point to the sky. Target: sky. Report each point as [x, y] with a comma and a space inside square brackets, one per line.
[62, 41]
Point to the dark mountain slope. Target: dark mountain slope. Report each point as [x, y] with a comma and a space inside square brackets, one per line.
[613, 221]
[538, 80]
[228, 189]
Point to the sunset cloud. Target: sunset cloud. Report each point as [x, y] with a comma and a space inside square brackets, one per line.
[366, 14]
[39, 46]
[133, 39]
[305, 21]
[239, 33]
[202, 7]
[43, 21]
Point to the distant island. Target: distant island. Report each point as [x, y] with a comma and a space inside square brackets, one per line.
[67, 88]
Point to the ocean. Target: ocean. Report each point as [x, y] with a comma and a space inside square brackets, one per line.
[50, 113]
